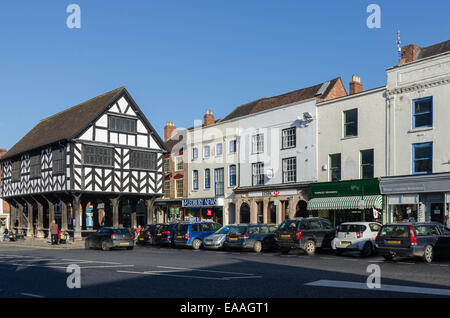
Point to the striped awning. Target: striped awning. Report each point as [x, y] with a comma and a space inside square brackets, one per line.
[345, 203]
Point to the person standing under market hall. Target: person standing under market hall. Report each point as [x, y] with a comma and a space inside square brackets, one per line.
[54, 232]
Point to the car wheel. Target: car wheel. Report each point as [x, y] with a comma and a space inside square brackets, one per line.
[196, 244]
[367, 250]
[150, 240]
[338, 252]
[428, 254]
[310, 247]
[257, 247]
[87, 245]
[130, 247]
[105, 246]
[285, 250]
[388, 257]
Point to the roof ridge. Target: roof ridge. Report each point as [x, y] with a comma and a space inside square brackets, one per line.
[80, 104]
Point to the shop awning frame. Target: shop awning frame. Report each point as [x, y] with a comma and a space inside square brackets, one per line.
[346, 203]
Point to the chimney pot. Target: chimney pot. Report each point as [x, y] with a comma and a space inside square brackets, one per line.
[169, 130]
[208, 118]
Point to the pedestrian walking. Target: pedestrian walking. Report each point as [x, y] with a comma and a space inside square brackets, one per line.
[54, 232]
[5, 234]
[447, 223]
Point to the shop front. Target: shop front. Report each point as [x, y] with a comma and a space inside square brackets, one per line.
[347, 201]
[203, 209]
[417, 198]
[169, 211]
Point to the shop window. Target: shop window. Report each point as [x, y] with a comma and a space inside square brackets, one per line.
[367, 164]
[423, 112]
[422, 158]
[351, 123]
[335, 167]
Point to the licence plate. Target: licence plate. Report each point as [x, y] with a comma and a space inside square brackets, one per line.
[233, 239]
[180, 236]
[395, 242]
[346, 243]
[285, 235]
[141, 239]
[159, 234]
[124, 243]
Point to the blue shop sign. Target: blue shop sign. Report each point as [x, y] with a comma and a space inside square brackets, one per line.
[193, 203]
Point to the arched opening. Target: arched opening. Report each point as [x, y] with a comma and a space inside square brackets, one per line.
[272, 217]
[244, 213]
[301, 209]
[260, 212]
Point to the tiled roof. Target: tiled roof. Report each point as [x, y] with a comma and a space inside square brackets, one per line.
[434, 49]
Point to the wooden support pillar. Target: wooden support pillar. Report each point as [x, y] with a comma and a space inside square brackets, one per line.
[96, 224]
[253, 212]
[40, 220]
[30, 227]
[149, 204]
[237, 211]
[115, 203]
[64, 226]
[266, 210]
[51, 214]
[13, 215]
[133, 213]
[77, 217]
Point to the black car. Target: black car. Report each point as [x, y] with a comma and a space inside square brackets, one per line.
[255, 237]
[107, 238]
[304, 233]
[148, 234]
[425, 240]
[166, 234]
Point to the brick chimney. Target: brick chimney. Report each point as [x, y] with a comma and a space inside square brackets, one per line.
[409, 53]
[169, 130]
[208, 118]
[355, 85]
[2, 152]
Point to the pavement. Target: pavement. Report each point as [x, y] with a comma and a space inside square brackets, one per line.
[42, 244]
[154, 272]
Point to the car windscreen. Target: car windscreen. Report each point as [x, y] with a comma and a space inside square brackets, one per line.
[224, 230]
[238, 230]
[351, 228]
[288, 225]
[395, 231]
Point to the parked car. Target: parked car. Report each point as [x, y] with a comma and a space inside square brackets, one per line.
[148, 234]
[108, 238]
[356, 236]
[215, 241]
[306, 234]
[193, 234]
[255, 237]
[425, 240]
[165, 234]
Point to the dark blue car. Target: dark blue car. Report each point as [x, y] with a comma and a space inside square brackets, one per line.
[165, 234]
[425, 240]
[193, 234]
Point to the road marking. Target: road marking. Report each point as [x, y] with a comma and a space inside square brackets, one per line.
[82, 260]
[384, 287]
[405, 263]
[105, 266]
[32, 295]
[171, 275]
[203, 270]
[328, 257]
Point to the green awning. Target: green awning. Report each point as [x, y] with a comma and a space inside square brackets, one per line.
[345, 203]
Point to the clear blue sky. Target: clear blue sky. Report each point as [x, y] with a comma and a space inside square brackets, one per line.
[178, 58]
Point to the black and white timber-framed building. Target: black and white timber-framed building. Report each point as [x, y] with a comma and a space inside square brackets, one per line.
[102, 153]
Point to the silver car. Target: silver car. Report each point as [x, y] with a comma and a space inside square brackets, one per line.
[215, 241]
[356, 236]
